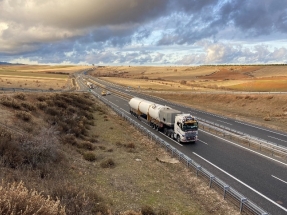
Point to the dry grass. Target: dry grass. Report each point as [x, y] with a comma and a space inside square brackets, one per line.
[207, 78]
[37, 77]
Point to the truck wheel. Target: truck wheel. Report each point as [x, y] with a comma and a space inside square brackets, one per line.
[178, 138]
[165, 131]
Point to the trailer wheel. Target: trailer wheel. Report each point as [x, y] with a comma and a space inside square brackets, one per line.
[178, 138]
[165, 131]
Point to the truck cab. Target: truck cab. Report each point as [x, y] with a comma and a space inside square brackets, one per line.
[185, 128]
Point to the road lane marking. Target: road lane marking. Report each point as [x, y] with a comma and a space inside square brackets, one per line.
[224, 122]
[203, 142]
[279, 179]
[126, 111]
[246, 148]
[261, 128]
[277, 139]
[241, 182]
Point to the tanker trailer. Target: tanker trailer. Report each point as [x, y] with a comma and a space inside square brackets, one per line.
[173, 123]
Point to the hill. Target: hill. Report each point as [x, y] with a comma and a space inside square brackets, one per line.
[90, 161]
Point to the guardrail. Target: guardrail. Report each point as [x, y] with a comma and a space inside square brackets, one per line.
[244, 204]
[250, 141]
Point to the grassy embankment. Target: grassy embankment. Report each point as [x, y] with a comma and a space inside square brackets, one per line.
[89, 160]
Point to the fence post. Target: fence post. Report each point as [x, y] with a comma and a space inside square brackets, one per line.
[242, 201]
[226, 188]
[197, 169]
[210, 180]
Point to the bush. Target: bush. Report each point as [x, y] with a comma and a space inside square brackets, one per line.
[89, 156]
[53, 111]
[28, 106]
[86, 145]
[69, 139]
[11, 103]
[77, 201]
[147, 210]
[17, 199]
[109, 163]
[41, 105]
[20, 96]
[42, 98]
[24, 116]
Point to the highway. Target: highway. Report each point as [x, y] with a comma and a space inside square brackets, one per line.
[261, 179]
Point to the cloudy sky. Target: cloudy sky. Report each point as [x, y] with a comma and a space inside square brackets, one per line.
[143, 32]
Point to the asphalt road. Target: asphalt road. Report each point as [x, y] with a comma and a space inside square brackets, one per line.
[261, 179]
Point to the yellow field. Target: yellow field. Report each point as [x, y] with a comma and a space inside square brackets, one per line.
[207, 78]
[37, 77]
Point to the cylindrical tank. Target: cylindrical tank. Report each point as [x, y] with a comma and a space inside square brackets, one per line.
[134, 103]
[140, 105]
[144, 106]
[154, 111]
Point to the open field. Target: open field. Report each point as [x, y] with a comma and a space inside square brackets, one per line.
[243, 78]
[266, 110]
[37, 77]
[92, 164]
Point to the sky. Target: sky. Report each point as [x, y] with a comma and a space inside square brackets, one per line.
[143, 32]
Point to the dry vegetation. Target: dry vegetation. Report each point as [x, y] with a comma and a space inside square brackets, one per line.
[207, 78]
[178, 83]
[76, 158]
[37, 77]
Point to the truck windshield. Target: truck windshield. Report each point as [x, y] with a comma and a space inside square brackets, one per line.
[190, 126]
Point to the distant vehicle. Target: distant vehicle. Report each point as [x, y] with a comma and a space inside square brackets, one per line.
[173, 123]
[104, 93]
[108, 93]
[90, 85]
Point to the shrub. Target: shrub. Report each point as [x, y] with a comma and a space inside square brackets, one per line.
[17, 199]
[69, 139]
[28, 106]
[41, 105]
[20, 96]
[147, 210]
[11, 103]
[89, 156]
[24, 116]
[77, 201]
[130, 145]
[183, 82]
[86, 145]
[109, 163]
[52, 111]
[42, 98]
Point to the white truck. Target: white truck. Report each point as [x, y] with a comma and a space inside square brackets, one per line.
[173, 123]
[90, 85]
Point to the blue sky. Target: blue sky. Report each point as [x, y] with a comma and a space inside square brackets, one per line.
[143, 32]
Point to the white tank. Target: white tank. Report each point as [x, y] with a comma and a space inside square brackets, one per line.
[154, 111]
[134, 103]
[140, 104]
[144, 106]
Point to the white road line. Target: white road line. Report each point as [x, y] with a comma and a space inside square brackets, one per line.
[126, 111]
[277, 139]
[241, 182]
[246, 148]
[279, 179]
[261, 128]
[203, 142]
[224, 122]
